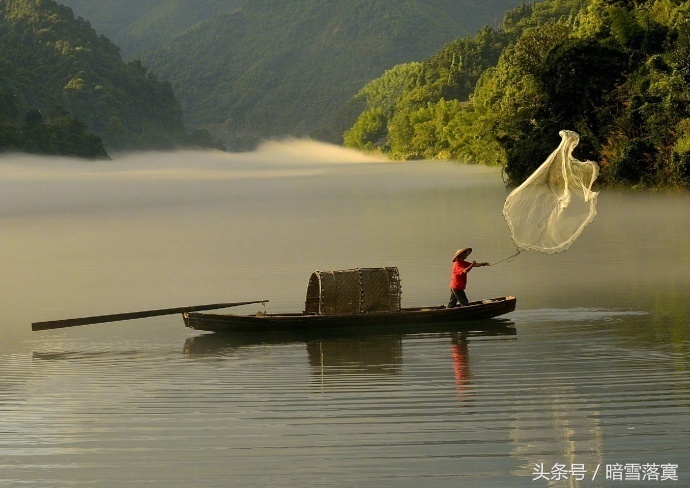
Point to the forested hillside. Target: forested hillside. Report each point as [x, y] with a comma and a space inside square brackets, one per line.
[57, 133]
[277, 68]
[52, 63]
[136, 25]
[615, 71]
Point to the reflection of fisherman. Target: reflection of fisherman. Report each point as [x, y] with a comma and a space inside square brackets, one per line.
[461, 366]
[458, 281]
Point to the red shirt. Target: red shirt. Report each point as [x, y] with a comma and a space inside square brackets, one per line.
[459, 279]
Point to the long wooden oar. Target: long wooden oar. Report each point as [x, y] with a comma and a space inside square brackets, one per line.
[100, 319]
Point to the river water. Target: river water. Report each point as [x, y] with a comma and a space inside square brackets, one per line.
[586, 384]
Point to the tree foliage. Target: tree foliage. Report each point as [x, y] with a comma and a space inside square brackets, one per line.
[617, 72]
[58, 133]
[50, 59]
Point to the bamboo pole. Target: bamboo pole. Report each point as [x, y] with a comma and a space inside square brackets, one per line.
[100, 319]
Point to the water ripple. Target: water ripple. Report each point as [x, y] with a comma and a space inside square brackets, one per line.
[442, 408]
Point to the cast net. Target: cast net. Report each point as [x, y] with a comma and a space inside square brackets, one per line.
[552, 207]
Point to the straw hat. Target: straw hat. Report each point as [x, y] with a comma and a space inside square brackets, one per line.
[462, 253]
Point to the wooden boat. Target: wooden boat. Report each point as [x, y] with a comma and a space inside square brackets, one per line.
[396, 320]
[356, 298]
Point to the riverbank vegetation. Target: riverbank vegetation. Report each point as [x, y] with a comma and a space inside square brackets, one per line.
[58, 133]
[617, 72]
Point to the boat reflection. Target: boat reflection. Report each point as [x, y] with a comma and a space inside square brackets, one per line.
[374, 351]
[357, 355]
[221, 343]
[337, 358]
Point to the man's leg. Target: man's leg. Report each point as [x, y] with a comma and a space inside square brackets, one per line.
[453, 299]
[461, 297]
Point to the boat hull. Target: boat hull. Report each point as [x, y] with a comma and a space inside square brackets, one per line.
[432, 316]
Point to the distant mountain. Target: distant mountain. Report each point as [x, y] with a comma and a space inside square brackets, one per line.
[276, 68]
[137, 26]
[49, 61]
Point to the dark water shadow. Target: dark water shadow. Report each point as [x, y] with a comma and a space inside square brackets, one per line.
[223, 343]
[87, 355]
[348, 354]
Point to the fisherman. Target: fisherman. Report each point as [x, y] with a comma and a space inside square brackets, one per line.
[458, 280]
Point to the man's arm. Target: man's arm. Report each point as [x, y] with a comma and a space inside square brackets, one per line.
[475, 264]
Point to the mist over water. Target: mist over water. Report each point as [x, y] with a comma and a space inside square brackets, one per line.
[152, 230]
[35, 182]
[592, 370]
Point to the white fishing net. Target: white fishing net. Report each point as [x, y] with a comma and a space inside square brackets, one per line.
[552, 207]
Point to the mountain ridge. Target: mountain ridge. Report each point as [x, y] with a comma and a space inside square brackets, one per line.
[273, 69]
[137, 26]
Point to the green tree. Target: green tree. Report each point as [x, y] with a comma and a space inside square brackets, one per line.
[616, 72]
[368, 132]
[48, 58]
[9, 111]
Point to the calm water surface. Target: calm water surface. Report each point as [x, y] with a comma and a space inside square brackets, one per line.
[589, 375]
